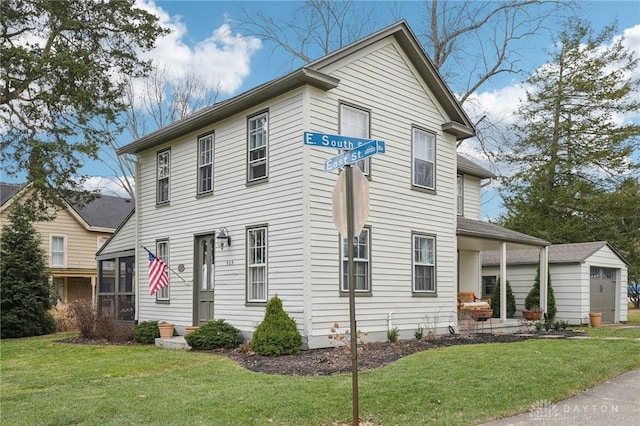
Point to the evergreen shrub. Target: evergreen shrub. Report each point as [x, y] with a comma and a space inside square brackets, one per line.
[146, 332]
[495, 300]
[277, 334]
[213, 335]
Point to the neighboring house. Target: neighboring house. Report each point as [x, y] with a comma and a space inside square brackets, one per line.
[70, 241]
[586, 277]
[240, 167]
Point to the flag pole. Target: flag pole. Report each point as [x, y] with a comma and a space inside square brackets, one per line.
[168, 267]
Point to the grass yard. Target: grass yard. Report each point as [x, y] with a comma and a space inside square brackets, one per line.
[633, 316]
[49, 383]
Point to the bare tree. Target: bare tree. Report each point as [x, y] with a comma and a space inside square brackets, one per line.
[152, 103]
[469, 42]
[313, 29]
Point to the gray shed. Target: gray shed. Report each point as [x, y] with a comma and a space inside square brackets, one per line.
[586, 277]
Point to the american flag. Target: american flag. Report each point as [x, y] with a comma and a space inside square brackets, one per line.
[158, 277]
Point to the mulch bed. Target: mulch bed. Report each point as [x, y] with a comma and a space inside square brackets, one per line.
[327, 361]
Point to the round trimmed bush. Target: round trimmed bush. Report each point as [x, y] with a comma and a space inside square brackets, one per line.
[213, 335]
[277, 334]
[146, 332]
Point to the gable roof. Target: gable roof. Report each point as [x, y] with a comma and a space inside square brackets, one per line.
[467, 166]
[103, 213]
[558, 253]
[311, 74]
[480, 229]
[9, 190]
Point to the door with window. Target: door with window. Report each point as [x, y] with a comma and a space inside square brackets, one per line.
[603, 293]
[204, 278]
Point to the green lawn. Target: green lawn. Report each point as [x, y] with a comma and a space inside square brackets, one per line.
[49, 383]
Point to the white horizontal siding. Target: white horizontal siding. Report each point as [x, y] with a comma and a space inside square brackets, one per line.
[124, 239]
[373, 81]
[471, 197]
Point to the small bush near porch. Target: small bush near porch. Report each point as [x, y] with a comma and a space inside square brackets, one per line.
[143, 384]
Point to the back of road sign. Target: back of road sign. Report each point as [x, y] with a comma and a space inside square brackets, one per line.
[360, 201]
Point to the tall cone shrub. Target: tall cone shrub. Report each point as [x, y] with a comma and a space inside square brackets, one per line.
[277, 334]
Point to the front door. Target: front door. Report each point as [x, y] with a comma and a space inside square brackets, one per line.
[603, 293]
[204, 278]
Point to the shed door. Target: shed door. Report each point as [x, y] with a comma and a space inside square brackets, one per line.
[603, 293]
[204, 271]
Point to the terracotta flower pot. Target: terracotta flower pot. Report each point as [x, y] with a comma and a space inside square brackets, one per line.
[532, 314]
[166, 330]
[595, 318]
[189, 328]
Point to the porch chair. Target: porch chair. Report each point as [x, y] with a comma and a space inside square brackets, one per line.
[467, 301]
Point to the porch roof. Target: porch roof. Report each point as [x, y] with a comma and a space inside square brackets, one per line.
[485, 232]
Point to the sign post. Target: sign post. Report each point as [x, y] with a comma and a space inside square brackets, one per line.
[352, 294]
[357, 149]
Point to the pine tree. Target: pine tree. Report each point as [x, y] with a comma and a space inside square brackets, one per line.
[533, 298]
[573, 156]
[495, 300]
[25, 290]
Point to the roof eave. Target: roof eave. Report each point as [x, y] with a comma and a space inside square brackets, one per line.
[232, 106]
[458, 130]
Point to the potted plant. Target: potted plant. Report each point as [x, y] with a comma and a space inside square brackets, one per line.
[532, 311]
[166, 330]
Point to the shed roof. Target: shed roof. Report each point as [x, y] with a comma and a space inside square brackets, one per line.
[558, 253]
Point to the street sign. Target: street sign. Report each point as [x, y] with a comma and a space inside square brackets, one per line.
[355, 155]
[333, 141]
[360, 202]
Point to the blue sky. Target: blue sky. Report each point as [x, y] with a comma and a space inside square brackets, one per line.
[204, 41]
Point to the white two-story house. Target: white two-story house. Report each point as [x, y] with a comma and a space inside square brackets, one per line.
[240, 168]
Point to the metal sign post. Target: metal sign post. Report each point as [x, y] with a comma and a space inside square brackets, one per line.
[357, 149]
[352, 293]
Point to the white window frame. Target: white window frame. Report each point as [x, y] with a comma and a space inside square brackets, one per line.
[163, 176]
[257, 264]
[423, 260]
[205, 163]
[257, 140]
[53, 251]
[460, 194]
[362, 263]
[423, 151]
[162, 251]
[356, 122]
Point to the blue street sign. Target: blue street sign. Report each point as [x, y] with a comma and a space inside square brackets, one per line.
[333, 141]
[355, 155]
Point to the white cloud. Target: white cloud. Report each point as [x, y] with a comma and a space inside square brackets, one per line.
[221, 60]
[108, 185]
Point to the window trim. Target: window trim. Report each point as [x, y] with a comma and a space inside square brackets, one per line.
[415, 129]
[367, 161]
[483, 280]
[460, 195]
[200, 166]
[248, 300]
[251, 118]
[414, 291]
[160, 201]
[344, 258]
[163, 296]
[64, 250]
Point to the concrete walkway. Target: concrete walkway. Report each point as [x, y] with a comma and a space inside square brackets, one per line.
[615, 402]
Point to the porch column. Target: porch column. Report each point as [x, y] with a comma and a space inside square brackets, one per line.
[503, 282]
[93, 292]
[544, 274]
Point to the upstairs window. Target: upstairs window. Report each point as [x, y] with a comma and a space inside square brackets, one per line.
[424, 264]
[58, 250]
[164, 170]
[205, 164]
[355, 122]
[460, 195]
[424, 146]
[258, 147]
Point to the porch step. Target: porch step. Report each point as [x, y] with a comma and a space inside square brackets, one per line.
[176, 342]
